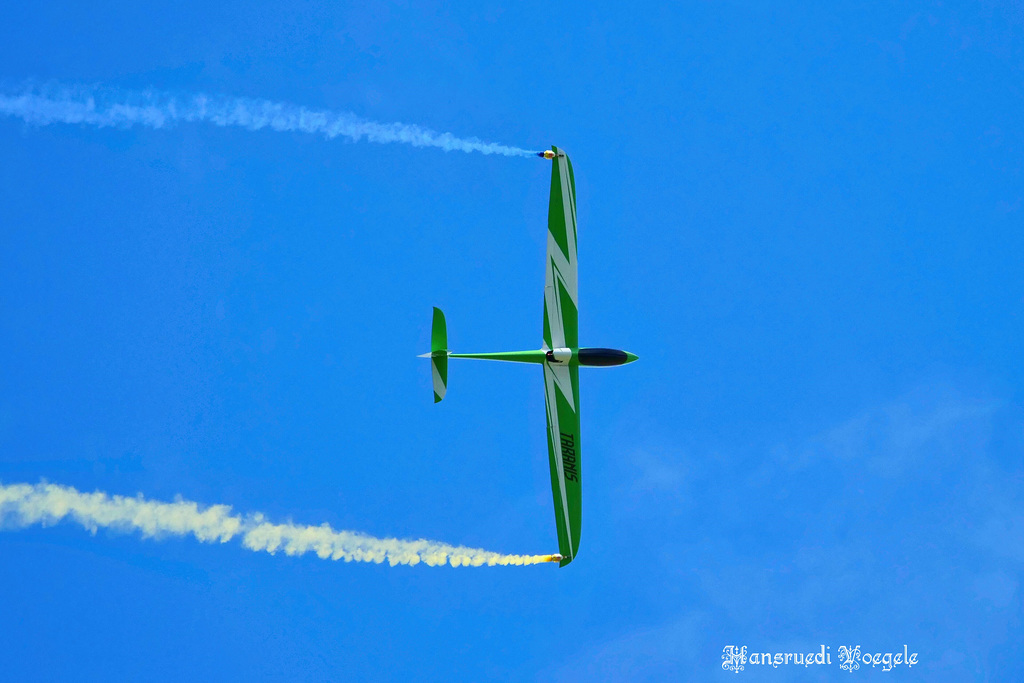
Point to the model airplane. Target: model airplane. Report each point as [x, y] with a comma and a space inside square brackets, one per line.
[560, 356]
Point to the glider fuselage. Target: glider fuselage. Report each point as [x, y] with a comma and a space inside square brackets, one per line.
[590, 357]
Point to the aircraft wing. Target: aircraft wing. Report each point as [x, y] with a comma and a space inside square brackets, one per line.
[561, 382]
[564, 455]
[560, 307]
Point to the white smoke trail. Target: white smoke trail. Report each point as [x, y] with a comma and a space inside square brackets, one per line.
[26, 504]
[107, 107]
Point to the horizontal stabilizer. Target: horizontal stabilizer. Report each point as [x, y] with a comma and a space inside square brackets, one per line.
[439, 354]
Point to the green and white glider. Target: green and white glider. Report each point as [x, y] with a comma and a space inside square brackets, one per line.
[560, 356]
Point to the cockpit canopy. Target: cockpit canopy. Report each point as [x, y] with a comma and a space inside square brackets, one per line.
[602, 357]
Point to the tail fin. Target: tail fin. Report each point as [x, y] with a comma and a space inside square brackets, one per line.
[439, 354]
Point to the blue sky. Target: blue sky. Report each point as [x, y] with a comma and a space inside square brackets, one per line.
[805, 221]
